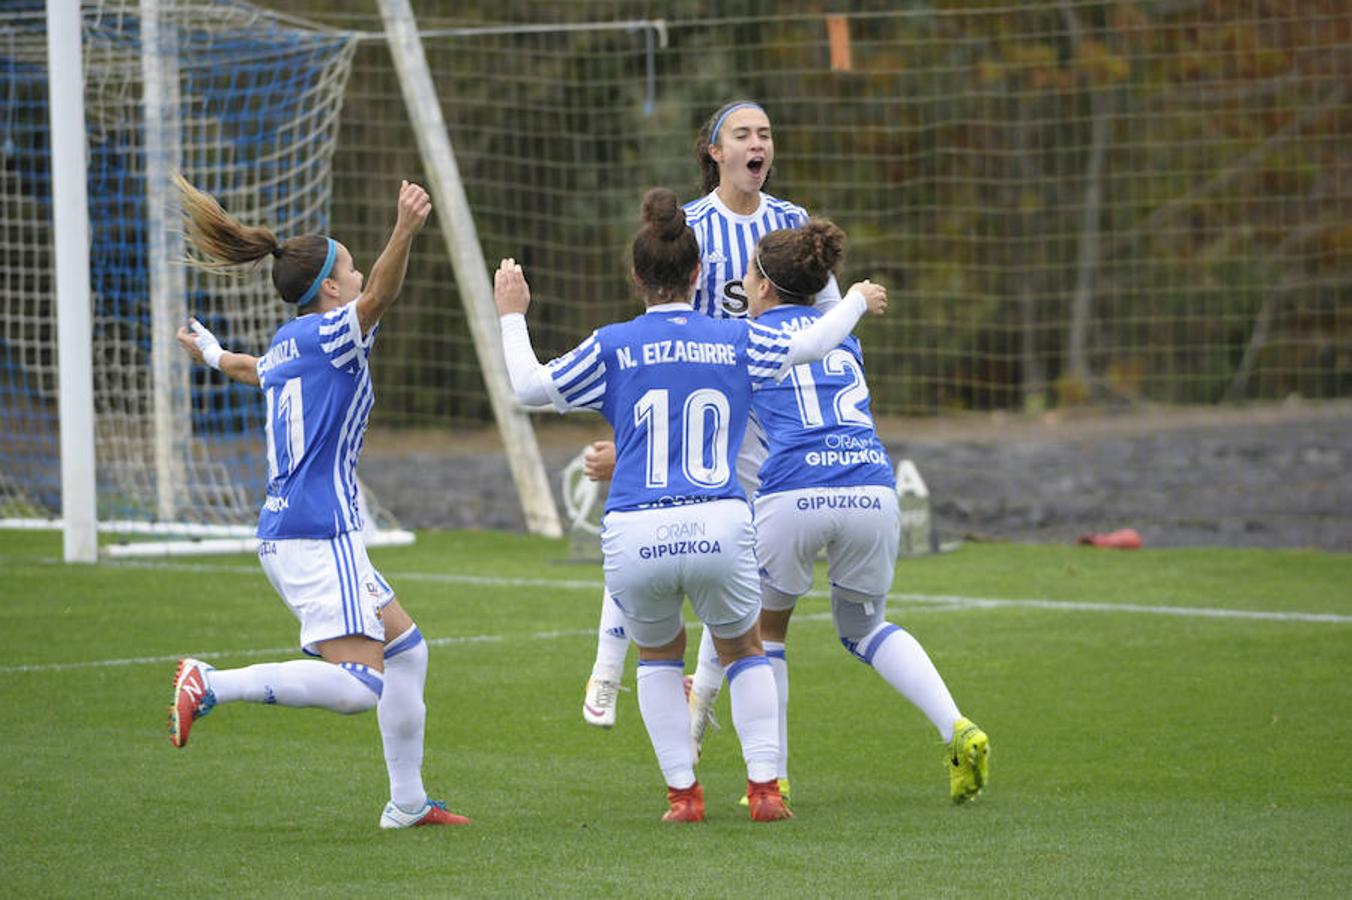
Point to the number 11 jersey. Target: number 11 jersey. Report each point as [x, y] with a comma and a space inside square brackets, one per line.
[317, 381]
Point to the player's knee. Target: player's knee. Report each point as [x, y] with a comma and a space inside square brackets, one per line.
[364, 691]
[857, 617]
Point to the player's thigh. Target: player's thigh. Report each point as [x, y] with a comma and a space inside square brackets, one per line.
[863, 556]
[397, 620]
[643, 578]
[791, 529]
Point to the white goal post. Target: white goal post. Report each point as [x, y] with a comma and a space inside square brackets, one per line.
[70, 214]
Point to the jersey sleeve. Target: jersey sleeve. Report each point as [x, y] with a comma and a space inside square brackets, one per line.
[828, 296]
[340, 337]
[767, 351]
[577, 380]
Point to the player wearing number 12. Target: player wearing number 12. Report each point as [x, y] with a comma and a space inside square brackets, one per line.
[827, 484]
[316, 379]
[676, 387]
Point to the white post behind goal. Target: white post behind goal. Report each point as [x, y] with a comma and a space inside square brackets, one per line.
[170, 393]
[467, 258]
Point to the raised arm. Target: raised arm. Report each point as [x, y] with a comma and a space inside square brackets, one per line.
[201, 345]
[511, 293]
[811, 344]
[387, 274]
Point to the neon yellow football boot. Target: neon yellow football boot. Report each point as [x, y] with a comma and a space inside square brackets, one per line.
[967, 759]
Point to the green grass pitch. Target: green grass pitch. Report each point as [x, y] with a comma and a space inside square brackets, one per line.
[1163, 723]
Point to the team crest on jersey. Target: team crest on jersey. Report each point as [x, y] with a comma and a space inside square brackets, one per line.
[733, 300]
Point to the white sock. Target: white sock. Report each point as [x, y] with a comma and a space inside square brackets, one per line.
[779, 664]
[661, 701]
[708, 670]
[347, 688]
[612, 641]
[402, 716]
[755, 715]
[904, 664]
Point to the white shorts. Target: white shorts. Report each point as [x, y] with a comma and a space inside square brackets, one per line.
[329, 585]
[858, 526]
[654, 558]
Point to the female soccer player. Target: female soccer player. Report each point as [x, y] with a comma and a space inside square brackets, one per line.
[676, 387]
[828, 483]
[317, 382]
[735, 150]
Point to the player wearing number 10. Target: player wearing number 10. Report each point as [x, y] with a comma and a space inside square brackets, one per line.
[676, 387]
[317, 382]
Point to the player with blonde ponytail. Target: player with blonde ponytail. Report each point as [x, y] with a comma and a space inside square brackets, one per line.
[316, 381]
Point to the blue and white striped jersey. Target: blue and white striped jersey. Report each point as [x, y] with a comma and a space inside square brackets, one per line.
[317, 381]
[726, 242]
[676, 387]
[817, 420]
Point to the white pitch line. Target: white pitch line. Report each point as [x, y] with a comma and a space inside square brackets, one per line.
[941, 601]
[945, 600]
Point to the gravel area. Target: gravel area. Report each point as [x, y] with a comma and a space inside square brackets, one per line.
[1272, 476]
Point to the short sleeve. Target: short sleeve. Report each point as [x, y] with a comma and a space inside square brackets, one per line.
[340, 337]
[767, 352]
[578, 378]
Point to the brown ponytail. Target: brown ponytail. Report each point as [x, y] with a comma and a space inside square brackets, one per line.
[665, 250]
[222, 241]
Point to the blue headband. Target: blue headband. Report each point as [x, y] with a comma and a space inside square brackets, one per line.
[324, 271]
[713, 133]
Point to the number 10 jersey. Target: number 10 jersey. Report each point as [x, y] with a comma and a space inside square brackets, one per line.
[676, 387]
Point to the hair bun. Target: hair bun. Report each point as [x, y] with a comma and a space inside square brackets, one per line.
[663, 214]
[826, 242]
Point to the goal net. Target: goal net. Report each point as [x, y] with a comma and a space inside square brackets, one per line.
[246, 104]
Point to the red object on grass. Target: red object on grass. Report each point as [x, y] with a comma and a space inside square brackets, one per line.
[1121, 539]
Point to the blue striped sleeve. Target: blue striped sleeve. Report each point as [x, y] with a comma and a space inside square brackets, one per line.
[340, 337]
[767, 351]
[578, 377]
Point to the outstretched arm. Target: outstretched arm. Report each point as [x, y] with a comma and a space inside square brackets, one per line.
[811, 344]
[387, 274]
[201, 345]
